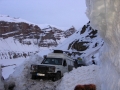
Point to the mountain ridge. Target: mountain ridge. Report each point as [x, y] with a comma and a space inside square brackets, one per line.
[19, 36]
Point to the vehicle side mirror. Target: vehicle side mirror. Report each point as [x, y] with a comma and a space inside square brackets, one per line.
[45, 56]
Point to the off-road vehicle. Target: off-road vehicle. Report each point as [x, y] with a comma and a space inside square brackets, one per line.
[53, 66]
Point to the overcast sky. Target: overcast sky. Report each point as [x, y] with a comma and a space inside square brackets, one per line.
[63, 13]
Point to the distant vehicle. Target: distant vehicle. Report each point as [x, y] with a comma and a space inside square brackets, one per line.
[53, 66]
[80, 63]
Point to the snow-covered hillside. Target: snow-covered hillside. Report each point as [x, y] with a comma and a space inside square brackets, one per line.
[85, 43]
[1, 80]
[12, 19]
[20, 38]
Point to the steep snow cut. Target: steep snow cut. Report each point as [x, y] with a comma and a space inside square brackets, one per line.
[21, 76]
[82, 75]
[1, 80]
[105, 17]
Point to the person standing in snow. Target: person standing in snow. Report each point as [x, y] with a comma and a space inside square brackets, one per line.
[93, 62]
[75, 63]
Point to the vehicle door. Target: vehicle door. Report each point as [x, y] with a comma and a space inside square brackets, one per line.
[65, 66]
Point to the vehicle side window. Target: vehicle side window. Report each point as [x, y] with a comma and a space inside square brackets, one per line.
[64, 63]
[68, 63]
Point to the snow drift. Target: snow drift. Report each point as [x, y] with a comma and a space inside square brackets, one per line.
[82, 75]
[21, 78]
[105, 17]
[21, 75]
[1, 80]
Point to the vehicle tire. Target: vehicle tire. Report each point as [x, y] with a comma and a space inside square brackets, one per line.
[34, 77]
[58, 75]
[54, 79]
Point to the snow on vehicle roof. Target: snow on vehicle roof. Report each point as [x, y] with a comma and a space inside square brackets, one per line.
[58, 55]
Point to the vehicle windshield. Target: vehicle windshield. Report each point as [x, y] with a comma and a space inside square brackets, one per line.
[54, 61]
[79, 61]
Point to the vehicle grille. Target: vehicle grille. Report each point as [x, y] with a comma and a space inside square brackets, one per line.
[42, 69]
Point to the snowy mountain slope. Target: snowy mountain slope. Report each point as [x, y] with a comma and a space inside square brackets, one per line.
[84, 43]
[18, 37]
[11, 19]
[1, 80]
[7, 18]
[82, 75]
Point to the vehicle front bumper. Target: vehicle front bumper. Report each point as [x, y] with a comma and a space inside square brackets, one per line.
[43, 74]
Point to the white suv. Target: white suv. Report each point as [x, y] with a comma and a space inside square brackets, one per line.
[53, 66]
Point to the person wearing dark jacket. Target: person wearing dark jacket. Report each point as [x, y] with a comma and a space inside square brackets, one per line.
[93, 62]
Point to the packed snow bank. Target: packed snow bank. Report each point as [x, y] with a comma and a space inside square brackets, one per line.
[105, 17]
[20, 77]
[10, 66]
[1, 80]
[81, 75]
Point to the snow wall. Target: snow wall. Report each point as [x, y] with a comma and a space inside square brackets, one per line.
[1, 80]
[105, 17]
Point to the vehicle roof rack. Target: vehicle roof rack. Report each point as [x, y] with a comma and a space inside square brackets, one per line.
[57, 51]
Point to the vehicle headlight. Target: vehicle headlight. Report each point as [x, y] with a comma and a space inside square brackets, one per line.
[33, 67]
[51, 69]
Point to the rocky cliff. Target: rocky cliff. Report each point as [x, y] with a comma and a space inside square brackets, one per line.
[19, 38]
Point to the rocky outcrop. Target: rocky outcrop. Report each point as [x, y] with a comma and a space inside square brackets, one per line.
[69, 32]
[24, 34]
[9, 29]
[21, 31]
[80, 46]
[87, 39]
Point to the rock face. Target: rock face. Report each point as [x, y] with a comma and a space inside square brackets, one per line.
[22, 31]
[8, 29]
[24, 35]
[83, 43]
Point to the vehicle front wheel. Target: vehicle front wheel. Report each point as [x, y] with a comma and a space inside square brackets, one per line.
[58, 75]
[34, 77]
